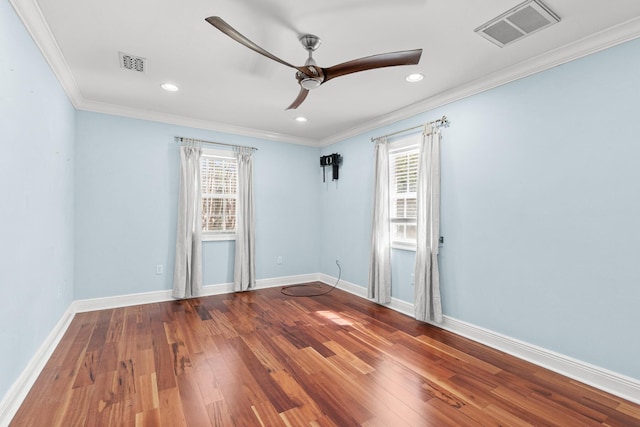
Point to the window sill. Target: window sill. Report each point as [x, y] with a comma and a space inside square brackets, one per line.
[403, 247]
[217, 237]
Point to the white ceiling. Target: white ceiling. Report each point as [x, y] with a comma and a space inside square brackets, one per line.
[225, 86]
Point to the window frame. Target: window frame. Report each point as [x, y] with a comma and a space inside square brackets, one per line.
[212, 235]
[405, 145]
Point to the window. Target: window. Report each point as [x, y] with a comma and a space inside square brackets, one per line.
[403, 176]
[219, 182]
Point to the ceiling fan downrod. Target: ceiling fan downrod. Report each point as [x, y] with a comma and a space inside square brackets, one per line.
[310, 42]
[310, 76]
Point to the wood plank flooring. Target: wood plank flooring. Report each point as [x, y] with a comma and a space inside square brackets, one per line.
[261, 358]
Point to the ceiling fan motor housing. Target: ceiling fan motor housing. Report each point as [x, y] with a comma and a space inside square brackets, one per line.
[310, 41]
[310, 76]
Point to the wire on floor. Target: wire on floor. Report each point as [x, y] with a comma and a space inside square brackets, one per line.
[285, 289]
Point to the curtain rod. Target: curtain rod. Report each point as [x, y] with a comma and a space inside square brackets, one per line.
[202, 141]
[442, 122]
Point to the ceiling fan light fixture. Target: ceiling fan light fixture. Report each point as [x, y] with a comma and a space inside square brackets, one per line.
[169, 87]
[413, 78]
[310, 82]
[310, 76]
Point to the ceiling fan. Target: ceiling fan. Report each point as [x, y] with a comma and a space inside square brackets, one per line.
[310, 76]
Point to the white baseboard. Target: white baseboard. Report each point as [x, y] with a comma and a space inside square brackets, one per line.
[603, 379]
[287, 280]
[395, 304]
[80, 306]
[20, 388]
[93, 304]
[16, 394]
[612, 382]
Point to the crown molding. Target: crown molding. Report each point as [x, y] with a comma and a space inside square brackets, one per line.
[602, 40]
[33, 19]
[155, 116]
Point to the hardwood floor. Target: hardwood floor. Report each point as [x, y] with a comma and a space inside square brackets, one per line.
[261, 358]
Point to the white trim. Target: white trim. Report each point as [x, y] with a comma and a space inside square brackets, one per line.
[104, 303]
[287, 280]
[395, 304]
[18, 391]
[217, 161]
[403, 246]
[155, 116]
[31, 15]
[212, 236]
[80, 306]
[219, 152]
[602, 40]
[603, 379]
[343, 285]
[33, 19]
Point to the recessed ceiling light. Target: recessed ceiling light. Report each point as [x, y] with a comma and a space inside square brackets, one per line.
[301, 119]
[169, 87]
[412, 78]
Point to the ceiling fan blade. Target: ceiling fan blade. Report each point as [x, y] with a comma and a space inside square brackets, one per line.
[301, 97]
[391, 59]
[227, 29]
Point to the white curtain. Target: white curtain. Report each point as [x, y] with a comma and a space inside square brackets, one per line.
[187, 275]
[244, 276]
[427, 301]
[380, 265]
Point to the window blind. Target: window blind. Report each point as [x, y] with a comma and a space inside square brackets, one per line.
[219, 180]
[404, 164]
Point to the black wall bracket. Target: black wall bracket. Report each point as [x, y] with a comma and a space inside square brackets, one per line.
[332, 160]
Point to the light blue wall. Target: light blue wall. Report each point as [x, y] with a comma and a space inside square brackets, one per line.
[36, 198]
[540, 207]
[346, 214]
[540, 210]
[126, 203]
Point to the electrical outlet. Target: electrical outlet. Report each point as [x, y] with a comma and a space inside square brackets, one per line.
[159, 269]
[279, 260]
[413, 280]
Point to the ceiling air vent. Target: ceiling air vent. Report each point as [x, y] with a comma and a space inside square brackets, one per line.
[519, 22]
[133, 63]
